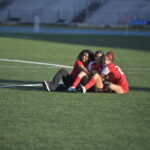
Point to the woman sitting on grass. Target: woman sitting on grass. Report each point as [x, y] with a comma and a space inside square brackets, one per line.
[93, 67]
[81, 63]
[119, 83]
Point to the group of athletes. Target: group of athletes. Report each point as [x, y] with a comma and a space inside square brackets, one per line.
[91, 72]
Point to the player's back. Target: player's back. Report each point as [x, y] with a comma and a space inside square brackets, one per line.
[116, 75]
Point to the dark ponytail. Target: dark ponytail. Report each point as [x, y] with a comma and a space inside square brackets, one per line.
[90, 53]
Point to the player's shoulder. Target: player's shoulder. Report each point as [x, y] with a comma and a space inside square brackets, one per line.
[105, 70]
[111, 66]
[78, 62]
[91, 63]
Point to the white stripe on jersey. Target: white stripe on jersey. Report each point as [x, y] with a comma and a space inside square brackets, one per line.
[90, 65]
[105, 70]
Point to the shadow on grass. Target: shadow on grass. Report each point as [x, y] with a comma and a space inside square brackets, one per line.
[18, 82]
[113, 41]
[19, 85]
[40, 88]
[145, 89]
[29, 88]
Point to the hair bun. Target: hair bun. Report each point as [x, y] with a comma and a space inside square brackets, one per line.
[110, 54]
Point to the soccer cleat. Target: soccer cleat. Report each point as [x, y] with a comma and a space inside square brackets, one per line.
[46, 86]
[83, 89]
[72, 89]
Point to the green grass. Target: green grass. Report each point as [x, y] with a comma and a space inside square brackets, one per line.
[31, 118]
[130, 28]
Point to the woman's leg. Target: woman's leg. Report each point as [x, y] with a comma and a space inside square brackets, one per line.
[95, 80]
[79, 78]
[68, 81]
[85, 80]
[62, 73]
[116, 88]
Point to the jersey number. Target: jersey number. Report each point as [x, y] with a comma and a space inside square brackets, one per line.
[119, 69]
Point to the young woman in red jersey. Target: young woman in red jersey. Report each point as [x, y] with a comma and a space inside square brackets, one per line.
[81, 63]
[93, 67]
[119, 83]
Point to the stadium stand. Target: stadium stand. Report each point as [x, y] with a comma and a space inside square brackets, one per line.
[22, 9]
[89, 12]
[49, 11]
[119, 12]
[4, 3]
[3, 13]
[62, 11]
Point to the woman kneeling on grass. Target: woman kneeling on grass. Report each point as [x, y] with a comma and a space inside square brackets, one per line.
[119, 83]
[81, 63]
[93, 67]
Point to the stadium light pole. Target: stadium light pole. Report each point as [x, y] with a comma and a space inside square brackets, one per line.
[36, 25]
[127, 24]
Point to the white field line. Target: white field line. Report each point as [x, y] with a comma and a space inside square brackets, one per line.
[26, 67]
[30, 62]
[37, 63]
[54, 65]
[45, 64]
[22, 85]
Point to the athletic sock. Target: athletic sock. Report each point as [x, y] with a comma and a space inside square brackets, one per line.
[76, 82]
[90, 84]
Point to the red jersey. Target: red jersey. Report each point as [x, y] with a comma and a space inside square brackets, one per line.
[116, 76]
[76, 70]
[93, 66]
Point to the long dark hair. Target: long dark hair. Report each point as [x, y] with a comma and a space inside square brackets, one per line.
[99, 51]
[91, 55]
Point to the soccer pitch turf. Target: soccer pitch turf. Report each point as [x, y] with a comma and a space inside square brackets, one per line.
[31, 118]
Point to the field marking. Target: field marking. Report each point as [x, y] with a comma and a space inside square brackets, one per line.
[27, 67]
[21, 85]
[53, 65]
[45, 64]
[37, 63]
[25, 85]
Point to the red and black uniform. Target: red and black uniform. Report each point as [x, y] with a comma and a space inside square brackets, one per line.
[116, 76]
[68, 78]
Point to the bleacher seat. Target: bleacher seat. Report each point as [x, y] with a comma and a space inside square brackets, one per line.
[111, 12]
[117, 12]
[49, 11]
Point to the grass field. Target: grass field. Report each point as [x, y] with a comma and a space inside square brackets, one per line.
[33, 119]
